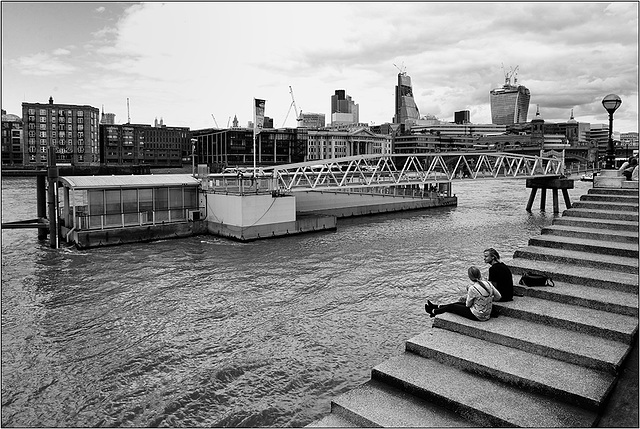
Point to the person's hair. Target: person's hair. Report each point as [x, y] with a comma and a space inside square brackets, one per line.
[493, 252]
[633, 162]
[474, 273]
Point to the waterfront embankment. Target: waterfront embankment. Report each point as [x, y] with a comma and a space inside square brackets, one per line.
[551, 359]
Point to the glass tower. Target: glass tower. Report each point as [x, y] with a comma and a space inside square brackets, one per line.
[406, 108]
[509, 104]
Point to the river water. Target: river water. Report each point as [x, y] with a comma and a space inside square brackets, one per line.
[209, 332]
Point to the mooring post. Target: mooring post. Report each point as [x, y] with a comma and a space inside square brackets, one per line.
[553, 183]
[52, 202]
[41, 203]
[532, 197]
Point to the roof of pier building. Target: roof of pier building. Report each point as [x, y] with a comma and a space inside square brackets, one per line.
[132, 181]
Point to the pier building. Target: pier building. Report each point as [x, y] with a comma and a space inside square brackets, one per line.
[106, 210]
[71, 129]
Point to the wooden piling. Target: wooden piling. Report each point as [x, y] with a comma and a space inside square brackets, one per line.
[52, 200]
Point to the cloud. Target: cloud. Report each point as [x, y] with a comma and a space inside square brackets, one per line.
[100, 9]
[171, 57]
[43, 64]
[61, 51]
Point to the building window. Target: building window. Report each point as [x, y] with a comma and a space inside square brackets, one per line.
[43, 134]
[80, 113]
[32, 111]
[43, 112]
[43, 149]
[43, 142]
[43, 127]
[43, 119]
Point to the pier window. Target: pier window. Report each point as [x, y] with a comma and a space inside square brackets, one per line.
[176, 203]
[96, 208]
[113, 208]
[161, 197]
[145, 203]
[130, 206]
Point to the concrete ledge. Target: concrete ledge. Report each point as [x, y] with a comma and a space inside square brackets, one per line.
[304, 224]
[85, 239]
[608, 179]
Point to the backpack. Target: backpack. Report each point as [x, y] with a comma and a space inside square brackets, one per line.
[532, 279]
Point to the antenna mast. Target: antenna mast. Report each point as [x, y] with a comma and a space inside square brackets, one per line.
[128, 117]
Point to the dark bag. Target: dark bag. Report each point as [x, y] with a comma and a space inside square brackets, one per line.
[533, 279]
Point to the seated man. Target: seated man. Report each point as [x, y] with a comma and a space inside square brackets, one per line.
[499, 274]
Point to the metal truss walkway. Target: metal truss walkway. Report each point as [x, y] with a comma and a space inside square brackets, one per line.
[410, 169]
[377, 171]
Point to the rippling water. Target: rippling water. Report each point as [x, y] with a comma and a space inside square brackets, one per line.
[209, 332]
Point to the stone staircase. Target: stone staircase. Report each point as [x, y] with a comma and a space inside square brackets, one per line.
[552, 357]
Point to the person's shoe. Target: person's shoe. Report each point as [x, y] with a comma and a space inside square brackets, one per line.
[428, 309]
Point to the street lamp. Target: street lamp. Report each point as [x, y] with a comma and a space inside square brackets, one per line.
[193, 157]
[611, 103]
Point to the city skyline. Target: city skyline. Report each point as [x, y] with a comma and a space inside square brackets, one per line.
[184, 62]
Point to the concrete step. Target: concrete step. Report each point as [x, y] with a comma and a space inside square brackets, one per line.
[608, 197]
[612, 191]
[332, 420]
[592, 234]
[601, 214]
[596, 298]
[612, 326]
[607, 205]
[572, 383]
[580, 259]
[550, 341]
[602, 224]
[376, 404]
[578, 275]
[482, 400]
[615, 248]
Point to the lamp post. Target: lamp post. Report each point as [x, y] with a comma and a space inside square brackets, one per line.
[193, 157]
[611, 103]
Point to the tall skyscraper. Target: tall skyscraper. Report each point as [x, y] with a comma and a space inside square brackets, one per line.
[509, 104]
[406, 108]
[343, 109]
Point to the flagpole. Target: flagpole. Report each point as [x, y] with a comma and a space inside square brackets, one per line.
[255, 124]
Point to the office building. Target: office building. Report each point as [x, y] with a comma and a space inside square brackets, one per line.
[343, 109]
[312, 120]
[71, 129]
[142, 144]
[220, 149]
[462, 117]
[509, 104]
[332, 143]
[406, 111]
[12, 153]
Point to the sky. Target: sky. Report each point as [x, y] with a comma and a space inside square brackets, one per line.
[200, 64]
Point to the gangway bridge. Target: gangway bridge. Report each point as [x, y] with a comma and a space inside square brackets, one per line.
[385, 170]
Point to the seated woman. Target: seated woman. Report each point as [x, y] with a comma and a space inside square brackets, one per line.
[628, 172]
[478, 303]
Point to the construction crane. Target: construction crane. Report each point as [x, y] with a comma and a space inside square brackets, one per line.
[295, 109]
[214, 121]
[402, 70]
